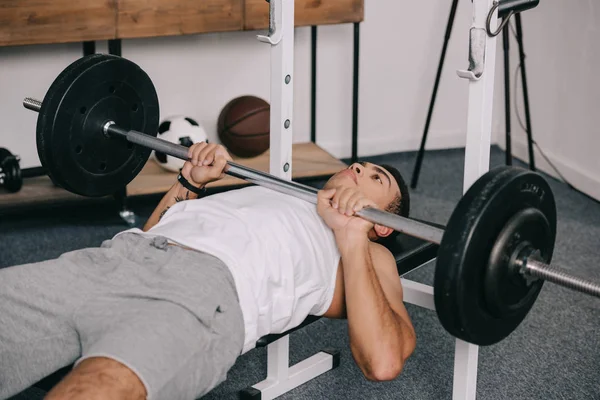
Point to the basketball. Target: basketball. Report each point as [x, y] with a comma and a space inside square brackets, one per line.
[244, 125]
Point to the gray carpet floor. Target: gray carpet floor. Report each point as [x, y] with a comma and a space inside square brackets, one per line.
[554, 354]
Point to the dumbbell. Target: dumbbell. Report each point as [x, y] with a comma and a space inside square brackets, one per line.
[10, 171]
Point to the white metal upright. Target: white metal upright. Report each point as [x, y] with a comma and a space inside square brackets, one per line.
[281, 39]
[282, 378]
[482, 63]
[482, 67]
[482, 59]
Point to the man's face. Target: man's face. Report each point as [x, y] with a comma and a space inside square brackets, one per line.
[373, 181]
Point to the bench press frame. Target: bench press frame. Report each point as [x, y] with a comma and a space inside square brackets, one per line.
[282, 378]
[482, 55]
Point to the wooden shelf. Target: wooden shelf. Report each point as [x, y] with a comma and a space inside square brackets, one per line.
[26, 22]
[308, 161]
[38, 191]
[149, 18]
[306, 13]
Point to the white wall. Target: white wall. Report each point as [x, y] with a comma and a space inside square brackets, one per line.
[562, 59]
[196, 75]
[400, 47]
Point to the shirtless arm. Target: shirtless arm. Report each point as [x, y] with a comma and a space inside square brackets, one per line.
[207, 164]
[381, 334]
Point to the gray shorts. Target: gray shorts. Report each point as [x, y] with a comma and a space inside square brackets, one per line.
[169, 314]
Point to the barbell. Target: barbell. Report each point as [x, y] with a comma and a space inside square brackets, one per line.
[98, 124]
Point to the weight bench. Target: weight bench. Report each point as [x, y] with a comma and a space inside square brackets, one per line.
[410, 253]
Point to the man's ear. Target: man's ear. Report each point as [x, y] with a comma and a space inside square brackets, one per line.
[382, 231]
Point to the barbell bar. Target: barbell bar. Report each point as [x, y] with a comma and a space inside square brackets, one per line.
[529, 268]
[304, 192]
[494, 253]
[537, 269]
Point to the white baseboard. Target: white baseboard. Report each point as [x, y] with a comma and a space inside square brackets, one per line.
[581, 179]
[384, 144]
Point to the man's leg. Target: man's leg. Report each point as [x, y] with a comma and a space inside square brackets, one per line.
[36, 333]
[136, 306]
[170, 327]
[153, 349]
[99, 378]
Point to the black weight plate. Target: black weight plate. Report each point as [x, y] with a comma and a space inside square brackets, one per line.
[507, 292]
[463, 256]
[49, 108]
[86, 161]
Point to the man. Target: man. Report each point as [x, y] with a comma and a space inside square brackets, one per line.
[164, 311]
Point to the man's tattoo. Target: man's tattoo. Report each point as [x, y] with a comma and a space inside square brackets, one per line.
[177, 200]
[163, 213]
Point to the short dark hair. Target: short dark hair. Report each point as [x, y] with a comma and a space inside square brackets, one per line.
[401, 204]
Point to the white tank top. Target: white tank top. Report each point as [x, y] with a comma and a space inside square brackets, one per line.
[282, 255]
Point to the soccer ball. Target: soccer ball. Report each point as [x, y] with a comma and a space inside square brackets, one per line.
[180, 130]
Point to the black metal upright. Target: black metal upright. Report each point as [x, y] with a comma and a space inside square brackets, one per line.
[355, 93]
[89, 48]
[313, 84]
[114, 47]
[506, 46]
[525, 91]
[417, 170]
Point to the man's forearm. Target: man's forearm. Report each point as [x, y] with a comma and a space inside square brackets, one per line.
[377, 333]
[176, 194]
